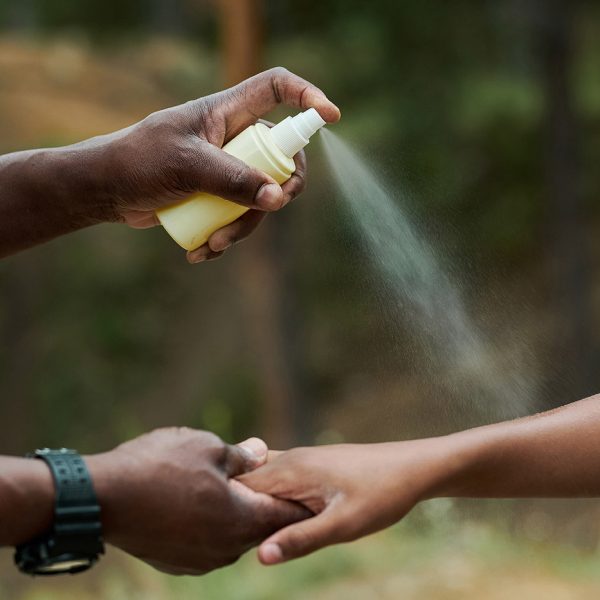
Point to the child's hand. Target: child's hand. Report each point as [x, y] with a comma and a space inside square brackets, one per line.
[354, 490]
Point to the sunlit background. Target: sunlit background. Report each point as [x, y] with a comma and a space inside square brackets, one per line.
[485, 116]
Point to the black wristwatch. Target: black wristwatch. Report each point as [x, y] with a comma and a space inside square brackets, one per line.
[74, 543]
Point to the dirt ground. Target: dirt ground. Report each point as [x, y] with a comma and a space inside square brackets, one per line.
[461, 562]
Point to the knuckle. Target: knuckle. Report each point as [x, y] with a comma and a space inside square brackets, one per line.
[278, 78]
[279, 72]
[159, 124]
[154, 119]
[162, 435]
[179, 437]
[201, 443]
[217, 449]
[211, 440]
[183, 431]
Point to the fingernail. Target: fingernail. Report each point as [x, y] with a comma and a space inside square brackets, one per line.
[271, 554]
[269, 197]
[196, 258]
[256, 447]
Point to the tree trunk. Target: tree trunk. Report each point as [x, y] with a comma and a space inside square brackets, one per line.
[568, 247]
[262, 268]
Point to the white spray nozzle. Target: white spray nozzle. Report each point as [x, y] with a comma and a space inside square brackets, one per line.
[293, 133]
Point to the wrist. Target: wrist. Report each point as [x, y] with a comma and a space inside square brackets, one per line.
[112, 478]
[67, 188]
[51, 192]
[442, 466]
[27, 486]
[464, 462]
[76, 180]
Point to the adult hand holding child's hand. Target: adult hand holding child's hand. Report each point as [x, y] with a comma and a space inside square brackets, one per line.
[167, 497]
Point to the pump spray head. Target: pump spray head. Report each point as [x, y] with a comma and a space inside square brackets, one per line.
[293, 133]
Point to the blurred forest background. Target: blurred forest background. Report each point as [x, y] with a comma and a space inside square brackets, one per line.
[487, 112]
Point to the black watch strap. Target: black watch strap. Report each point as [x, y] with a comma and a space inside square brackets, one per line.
[75, 541]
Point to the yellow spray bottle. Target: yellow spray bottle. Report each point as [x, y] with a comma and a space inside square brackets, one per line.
[193, 220]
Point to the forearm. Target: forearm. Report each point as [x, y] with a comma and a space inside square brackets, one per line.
[50, 192]
[552, 454]
[355, 489]
[26, 499]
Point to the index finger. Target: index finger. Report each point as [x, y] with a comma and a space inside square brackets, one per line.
[260, 94]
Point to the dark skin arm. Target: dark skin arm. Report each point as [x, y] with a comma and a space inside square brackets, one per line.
[166, 497]
[173, 153]
[26, 499]
[355, 490]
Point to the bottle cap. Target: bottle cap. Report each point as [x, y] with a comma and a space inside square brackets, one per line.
[293, 133]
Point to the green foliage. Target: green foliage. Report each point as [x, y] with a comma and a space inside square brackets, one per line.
[230, 406]
[108, 333]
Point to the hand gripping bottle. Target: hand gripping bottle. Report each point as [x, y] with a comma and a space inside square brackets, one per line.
[192, 221]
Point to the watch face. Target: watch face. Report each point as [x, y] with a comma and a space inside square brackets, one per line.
[61, 567]
[72, 565]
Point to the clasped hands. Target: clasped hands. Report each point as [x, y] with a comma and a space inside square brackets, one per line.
[185, 502]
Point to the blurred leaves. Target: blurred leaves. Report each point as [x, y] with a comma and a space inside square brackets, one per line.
[108, 332]
[117, 334]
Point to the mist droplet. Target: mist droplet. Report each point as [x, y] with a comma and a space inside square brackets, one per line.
[423, 295]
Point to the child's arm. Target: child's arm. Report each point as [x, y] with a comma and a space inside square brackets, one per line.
[355, 490]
